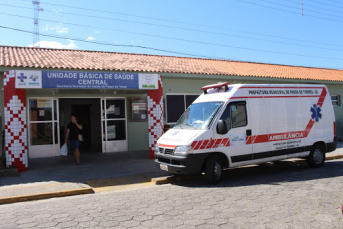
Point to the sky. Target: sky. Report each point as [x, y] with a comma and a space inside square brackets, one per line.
[287, 32]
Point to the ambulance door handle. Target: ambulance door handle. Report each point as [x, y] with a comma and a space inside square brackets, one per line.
[248, 132]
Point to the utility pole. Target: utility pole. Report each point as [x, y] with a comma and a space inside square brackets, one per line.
[36, 22]
[302, 8]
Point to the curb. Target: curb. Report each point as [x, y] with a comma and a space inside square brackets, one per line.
[173, 179]
[39, 196]
[163, 180]
[330, 158]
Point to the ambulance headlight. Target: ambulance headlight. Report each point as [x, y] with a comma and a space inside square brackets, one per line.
[156, 148]
[183, 150]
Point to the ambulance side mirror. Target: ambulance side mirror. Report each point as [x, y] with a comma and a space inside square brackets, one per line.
[221, 127]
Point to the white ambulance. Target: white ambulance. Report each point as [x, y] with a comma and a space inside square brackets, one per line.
[235, 125]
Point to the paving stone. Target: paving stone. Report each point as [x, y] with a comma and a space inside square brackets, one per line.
[69, 224]
[48, 224]
[131, 223]
[284, 198]
[194, 222]
[23, 221]
[151, 223]
[172, 223]
[109, 223]
[142, 218]
[83, 219]
[88, 224]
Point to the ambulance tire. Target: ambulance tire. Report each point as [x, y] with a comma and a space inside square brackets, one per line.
[213, 169]
[316, 158]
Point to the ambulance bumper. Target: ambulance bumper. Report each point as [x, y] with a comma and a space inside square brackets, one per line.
[189, 164]
[332, 146]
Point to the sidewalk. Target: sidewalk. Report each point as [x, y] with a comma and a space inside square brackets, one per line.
[60, 176]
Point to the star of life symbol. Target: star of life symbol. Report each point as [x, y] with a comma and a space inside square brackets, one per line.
[22, 77]
[316, 112]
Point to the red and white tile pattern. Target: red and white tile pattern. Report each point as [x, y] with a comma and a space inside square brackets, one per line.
[155, 116]
[15, 124]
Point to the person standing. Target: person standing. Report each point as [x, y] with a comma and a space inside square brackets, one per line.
[73, 129]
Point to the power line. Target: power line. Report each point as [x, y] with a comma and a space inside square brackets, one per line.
[111, 44]
[314, 6]
[202, 31]
[163, 37]
[201, 25]
[270, 7]
[335, 1]
[110, 12]
[187, 29]
[313, 11]
[326, 3]
[163, 50]
[206, 43]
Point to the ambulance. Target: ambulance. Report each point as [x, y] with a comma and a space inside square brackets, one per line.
[241, 124]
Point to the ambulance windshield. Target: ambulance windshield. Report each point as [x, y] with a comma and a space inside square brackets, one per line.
[198, 115]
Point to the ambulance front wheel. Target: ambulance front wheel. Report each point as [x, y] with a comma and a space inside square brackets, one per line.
[316, 158]
[213, 169]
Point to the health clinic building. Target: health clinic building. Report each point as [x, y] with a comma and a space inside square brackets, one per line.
[124, 101]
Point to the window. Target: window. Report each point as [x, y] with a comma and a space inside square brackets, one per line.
[238, 115]
[336, 100]
[43, 121]
[138, 109]
[176, 104]
[114, 119]
[235, 115]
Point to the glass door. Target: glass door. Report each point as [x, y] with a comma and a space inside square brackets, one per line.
[56, 128]
[114, 130]
[43, 127]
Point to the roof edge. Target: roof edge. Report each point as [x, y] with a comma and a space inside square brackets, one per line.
[181, 57]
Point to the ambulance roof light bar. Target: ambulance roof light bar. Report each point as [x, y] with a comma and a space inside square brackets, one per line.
[217, 86]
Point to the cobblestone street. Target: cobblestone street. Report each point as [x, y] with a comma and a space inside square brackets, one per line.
[257, 197]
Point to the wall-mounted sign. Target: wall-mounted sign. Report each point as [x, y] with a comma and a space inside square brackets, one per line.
[28, 79]
[148, 81]
[139, 109]
[85, 80]
[44, 103]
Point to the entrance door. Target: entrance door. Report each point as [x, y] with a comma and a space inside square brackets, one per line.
[82, 112]
[114, 132]
[43, 127]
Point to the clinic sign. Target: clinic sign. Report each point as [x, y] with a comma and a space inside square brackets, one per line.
[85, 80]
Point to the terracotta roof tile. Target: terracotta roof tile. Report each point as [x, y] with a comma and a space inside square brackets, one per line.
[111, 61]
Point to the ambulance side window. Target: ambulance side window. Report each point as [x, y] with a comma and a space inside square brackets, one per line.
[235, 115]
[238, 115]
[226, 117]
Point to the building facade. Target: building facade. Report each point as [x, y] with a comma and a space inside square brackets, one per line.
[124, 101]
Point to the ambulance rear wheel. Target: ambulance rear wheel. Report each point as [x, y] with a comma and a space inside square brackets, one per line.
[316, 158]
[213, 170]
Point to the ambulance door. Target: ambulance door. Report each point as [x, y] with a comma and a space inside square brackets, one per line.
[233, 143]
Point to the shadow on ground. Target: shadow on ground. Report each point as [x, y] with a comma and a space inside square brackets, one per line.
[268, 173]
[94, 166]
